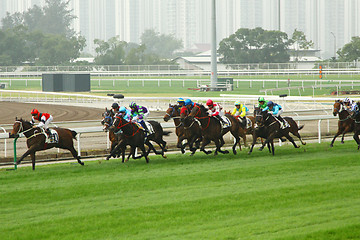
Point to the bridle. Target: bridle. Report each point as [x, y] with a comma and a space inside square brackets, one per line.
[21, 130]
[171, 115]
[132, 124]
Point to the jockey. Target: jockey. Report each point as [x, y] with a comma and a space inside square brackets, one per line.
[115, 108]
[181, 102]
[240, 111]
[44, 119]
[349, 104]
[215, 110]
[189, 105]
[262, 102]
[139, 114]
[125, 113]
[276, 110]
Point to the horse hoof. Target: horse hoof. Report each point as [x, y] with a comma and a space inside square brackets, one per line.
[342, 142]
[164, 156]
[234, 152]
[331, 145]
[226, 152]
[82, 163]
[260, 149]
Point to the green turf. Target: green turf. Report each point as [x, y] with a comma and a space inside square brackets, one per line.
[306, 193]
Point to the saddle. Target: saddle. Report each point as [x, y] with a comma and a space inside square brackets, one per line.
[283, 124]
[149, 127]
[225, 123]
[52, 137]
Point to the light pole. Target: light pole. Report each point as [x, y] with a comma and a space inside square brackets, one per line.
[334, 45]
[213, 46]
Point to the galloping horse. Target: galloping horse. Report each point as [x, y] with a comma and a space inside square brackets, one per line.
[191, 134]
[270, 129]
[157, 137]
[212, 129]
[36, 138]
[245, 129]
[356, 117]
[345, 123]
[107, 121]
[132, 135]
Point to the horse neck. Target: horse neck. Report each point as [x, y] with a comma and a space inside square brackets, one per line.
[27, 129]
[343, 114]
[127, 128]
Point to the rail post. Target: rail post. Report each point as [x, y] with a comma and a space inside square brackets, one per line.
[15, 165]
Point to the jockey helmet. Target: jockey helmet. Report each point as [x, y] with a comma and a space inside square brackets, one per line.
[237, 103]
[122, 109]
[132, 105]
[115, 105]
[261, 99]
[188, 102]
[209, 102]
[180, 100]
[270, 103]
[34, 112]
[346, 100]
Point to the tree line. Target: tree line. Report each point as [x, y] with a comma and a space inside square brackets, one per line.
[43, 36]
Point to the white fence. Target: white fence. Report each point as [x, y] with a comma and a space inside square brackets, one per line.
[85, 130]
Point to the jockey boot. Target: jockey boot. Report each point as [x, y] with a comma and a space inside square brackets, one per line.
[146, 132]
[243, 121]
[220, 119]
[283, 125]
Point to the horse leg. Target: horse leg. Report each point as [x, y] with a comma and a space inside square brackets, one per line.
[205, 142]
[336, 135]
[272, 148]
[253, 142]
[237, 141]
[269, 139]
[29, 151]
[297, 134]
[356, 138]
[142, 147]
[32, 155]
[221, 143]
[75, 154]
[291, 140]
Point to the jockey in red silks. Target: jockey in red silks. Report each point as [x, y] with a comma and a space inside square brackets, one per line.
[44, 119]
[215, 110]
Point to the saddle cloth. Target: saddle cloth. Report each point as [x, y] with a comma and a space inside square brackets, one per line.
[226, 122]
[149, 127]
[248, 123]
[53, 137]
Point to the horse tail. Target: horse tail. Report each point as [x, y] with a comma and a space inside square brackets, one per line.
[301, 127]
[73, 133]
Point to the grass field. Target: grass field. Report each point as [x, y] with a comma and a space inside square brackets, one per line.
[165, 88]
[306, 193]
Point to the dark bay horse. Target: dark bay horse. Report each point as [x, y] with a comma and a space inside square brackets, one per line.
[269, 128]
[345, 123]
[36, 138]
[212, 129]
[356, 116]
[191, 134]
[156, 137]
[107, 121]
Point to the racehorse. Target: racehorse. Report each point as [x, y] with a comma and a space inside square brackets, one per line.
[244, 129]
[157, 137]
[345, 123]
[191, 134]
[107, 121]
[212, 129]
[36, 140]
[356, 117]
[270, 128]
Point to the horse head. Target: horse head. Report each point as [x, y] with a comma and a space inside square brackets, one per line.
[20, 126]
[338, 107]
[198, 111]
[172, 111]
[259, 117]
[107, 121]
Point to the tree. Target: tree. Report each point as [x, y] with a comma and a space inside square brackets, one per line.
[254, 46]
[300, 43]
[111, 52]
[13, 46]
[351, 51]
[160, 44]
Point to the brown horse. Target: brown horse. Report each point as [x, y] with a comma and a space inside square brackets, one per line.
[107, 121]
[212, 129]
[270, 128]
[356, 116]
[36, 140]
[345, 123]
[191, 135]
[245, 129]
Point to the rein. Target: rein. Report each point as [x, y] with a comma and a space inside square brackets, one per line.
[134, 132]
[21, 130]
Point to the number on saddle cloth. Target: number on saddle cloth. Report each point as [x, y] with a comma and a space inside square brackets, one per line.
[226, 122]
[53, 137]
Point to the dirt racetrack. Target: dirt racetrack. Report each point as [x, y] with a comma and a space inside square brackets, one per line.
[10, 110]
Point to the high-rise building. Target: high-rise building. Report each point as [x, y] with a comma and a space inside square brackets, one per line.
[328, 23]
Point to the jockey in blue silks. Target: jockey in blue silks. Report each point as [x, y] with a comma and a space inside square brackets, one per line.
[276, 110]
[125, 113]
